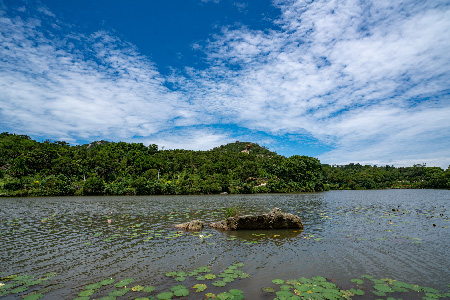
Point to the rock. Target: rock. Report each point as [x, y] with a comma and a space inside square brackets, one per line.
[192, 225]
[224, 193]
[275, 219]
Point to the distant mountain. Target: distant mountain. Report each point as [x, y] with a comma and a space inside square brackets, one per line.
[246, 147]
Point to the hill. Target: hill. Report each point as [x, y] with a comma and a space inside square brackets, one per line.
[28, 167]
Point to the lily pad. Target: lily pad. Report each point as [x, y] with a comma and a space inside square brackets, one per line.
[124, 282]
[118, 293]
[268, 290]
[181, 292]
[180, 279]
[107, 281]
[199, 287]
[219, 283]
[33, 297]
[93, 286]
[86, 293]
[357, 281]
[164, 296]
[148, 289]
[278, 281]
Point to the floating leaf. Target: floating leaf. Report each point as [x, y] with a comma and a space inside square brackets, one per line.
[357, 281]
[107, 281]
[180, 279]
[93, 286]
[199, 287]
[219, 283]
[268, 290]
[124, 282]
[137, 288]
[171, 274]
[33, 297]
[278, 281]
[210, 276]
[19, 290]
[118, 293]
[164, 295]
[86, 293]
[181, 292]
[148, 289]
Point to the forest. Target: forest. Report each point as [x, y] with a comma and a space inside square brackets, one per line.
[55, 168]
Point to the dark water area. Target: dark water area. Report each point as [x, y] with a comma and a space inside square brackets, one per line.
[402, 235]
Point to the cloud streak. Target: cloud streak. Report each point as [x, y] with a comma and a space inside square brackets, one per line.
[368, 79]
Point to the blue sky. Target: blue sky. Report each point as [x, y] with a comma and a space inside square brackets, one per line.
[344, 81]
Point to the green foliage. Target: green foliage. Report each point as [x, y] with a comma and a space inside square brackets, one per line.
[31, 168]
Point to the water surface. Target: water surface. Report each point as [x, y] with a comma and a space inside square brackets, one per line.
[398, 234]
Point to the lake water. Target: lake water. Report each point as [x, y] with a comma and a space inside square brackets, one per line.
[398, 234]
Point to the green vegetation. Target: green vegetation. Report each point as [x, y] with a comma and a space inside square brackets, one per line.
[31, 168]
[358, 177]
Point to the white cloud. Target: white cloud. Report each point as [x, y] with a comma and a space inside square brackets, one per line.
[369, 79]
[358, 80]
[109, 90]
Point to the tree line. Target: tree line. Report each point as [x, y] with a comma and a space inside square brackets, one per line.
[55, 168]
[31, 168]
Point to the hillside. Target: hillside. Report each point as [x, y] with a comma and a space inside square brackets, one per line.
[31, 168]
[244, 146]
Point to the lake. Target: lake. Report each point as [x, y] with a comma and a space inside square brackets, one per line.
[55, 247]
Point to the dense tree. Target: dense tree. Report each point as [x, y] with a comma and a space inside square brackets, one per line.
[28, 167]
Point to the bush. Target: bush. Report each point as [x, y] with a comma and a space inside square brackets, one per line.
[94, 186]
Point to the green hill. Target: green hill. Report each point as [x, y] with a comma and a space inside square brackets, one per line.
[242, 146]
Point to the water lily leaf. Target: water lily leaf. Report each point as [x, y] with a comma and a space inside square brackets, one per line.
[199, 287]
[137, 288]
[284, 294]
[83, 298]
[33, 297]
[118, 293]
[177, 287]
[225, 296]
[93, 286]
[124, 282]
[204, 269]
[210, 295]
[107, 281]
[181, 292]
[379, 293]
[219, 283]
[210, 276]
[180, 279]
[164, 296]
[200, 278]
[278, 281]
[235, 292]
[86, 293]
[148, 289]
[357, 281]
[268, 290]
[19, 290]
[244, 275]
[228, 279]
[357, 292]
[171, 274]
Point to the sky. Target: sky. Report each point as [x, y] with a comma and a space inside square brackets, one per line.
[346, 81]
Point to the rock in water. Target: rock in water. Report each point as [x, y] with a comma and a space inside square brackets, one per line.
[192, 225]
[275, 219]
